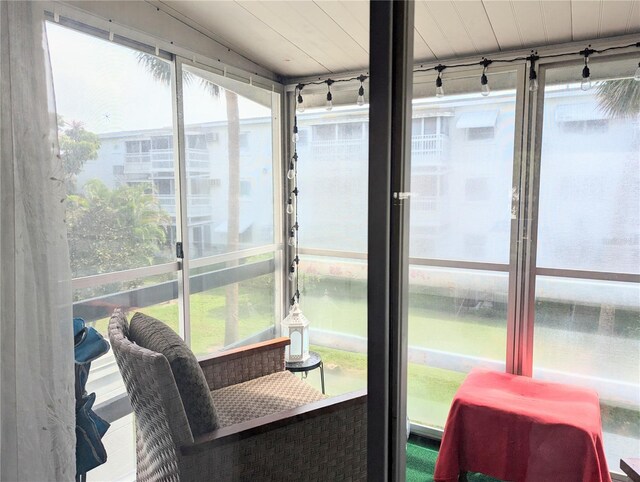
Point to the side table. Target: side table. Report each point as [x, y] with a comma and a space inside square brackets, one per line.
[631, 467]
[314, 361]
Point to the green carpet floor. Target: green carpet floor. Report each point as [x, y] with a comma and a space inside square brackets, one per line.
[421, 462]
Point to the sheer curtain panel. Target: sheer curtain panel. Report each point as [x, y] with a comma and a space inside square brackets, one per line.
[37, 422]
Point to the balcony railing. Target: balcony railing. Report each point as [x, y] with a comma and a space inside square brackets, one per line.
[430, 149]
[159, 160]
[197, 205]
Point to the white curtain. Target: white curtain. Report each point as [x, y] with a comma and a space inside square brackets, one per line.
[37, 422]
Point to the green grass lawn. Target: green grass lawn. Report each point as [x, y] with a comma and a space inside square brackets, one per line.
[444, 327]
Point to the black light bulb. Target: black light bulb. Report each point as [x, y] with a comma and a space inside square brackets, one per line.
[439, 87]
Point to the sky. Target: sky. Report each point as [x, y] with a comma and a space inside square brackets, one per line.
[101, 84]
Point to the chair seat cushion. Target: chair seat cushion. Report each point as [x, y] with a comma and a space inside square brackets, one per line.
[262, 396]
[192, 385]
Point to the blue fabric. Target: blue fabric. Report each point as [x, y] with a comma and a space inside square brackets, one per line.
[89, 343]
[90, 428]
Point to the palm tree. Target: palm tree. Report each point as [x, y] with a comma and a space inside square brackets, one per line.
[161, 71]
[619, 98]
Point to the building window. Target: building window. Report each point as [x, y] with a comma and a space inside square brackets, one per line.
[161, 142]
[137, 147]
[350, 130]
[164, 186]
[197, 141]
[244, 141]
[324, 132]
[480, 133]
[245, 188]
[595, 126]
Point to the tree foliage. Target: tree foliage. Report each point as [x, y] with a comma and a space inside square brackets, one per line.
[619, 98]
[160, 70]
[77, 146]
[114, 229]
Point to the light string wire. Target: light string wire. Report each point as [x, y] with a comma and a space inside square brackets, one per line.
[485, 62]
[294, 229]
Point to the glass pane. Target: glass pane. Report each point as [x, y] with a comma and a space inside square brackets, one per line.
[115, 128]
[334, 299]
[461, 171]
[457, 321]
[229, 166]
[462, 149]
[588, 333]
[155, 296]
[225, 314]
[332, 177]
[590, 172]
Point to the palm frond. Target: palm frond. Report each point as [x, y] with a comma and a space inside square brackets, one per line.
[160, 70]
[619, 98]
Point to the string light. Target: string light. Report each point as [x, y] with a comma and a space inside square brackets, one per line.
[439, 86]
[296, 138]
[290, 206]
[329, 96]
[533, 76]
[586, 73]
[291, 172]
[360, 100]
[484, 81]
[300, 100]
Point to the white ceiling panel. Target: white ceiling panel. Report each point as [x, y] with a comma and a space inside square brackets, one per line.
[353, 18]
[505, 25]
[585, 19]
[309, 37]
[557, 21]
[431, 33]
[263, 45]
[477, 25]
[531, 22]
[306, 25]
[615, 14]
[453, 29]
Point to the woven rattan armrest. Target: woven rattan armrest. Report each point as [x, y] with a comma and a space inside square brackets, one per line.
[262, 425]
[244, 363]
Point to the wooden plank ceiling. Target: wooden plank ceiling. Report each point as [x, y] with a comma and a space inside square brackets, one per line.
[321, 37]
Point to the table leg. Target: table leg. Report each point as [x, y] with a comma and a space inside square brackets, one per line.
[322, 376]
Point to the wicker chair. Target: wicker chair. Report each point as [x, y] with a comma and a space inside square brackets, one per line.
[319, 441]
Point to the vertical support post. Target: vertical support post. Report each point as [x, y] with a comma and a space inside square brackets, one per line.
[278, 163]
[391, 59]
[182, 226]
[518, 198]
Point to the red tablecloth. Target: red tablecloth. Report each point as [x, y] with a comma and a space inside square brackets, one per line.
[518, 429]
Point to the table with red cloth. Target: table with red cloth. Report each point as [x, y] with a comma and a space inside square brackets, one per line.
[518, 429]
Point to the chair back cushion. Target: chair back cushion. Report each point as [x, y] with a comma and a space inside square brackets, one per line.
[161, 422]
[190, 380]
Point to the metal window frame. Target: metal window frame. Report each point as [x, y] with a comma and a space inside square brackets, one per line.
[390, 86]
[534, 162]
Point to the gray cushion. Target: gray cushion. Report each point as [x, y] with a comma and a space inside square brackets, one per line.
[190, 380]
